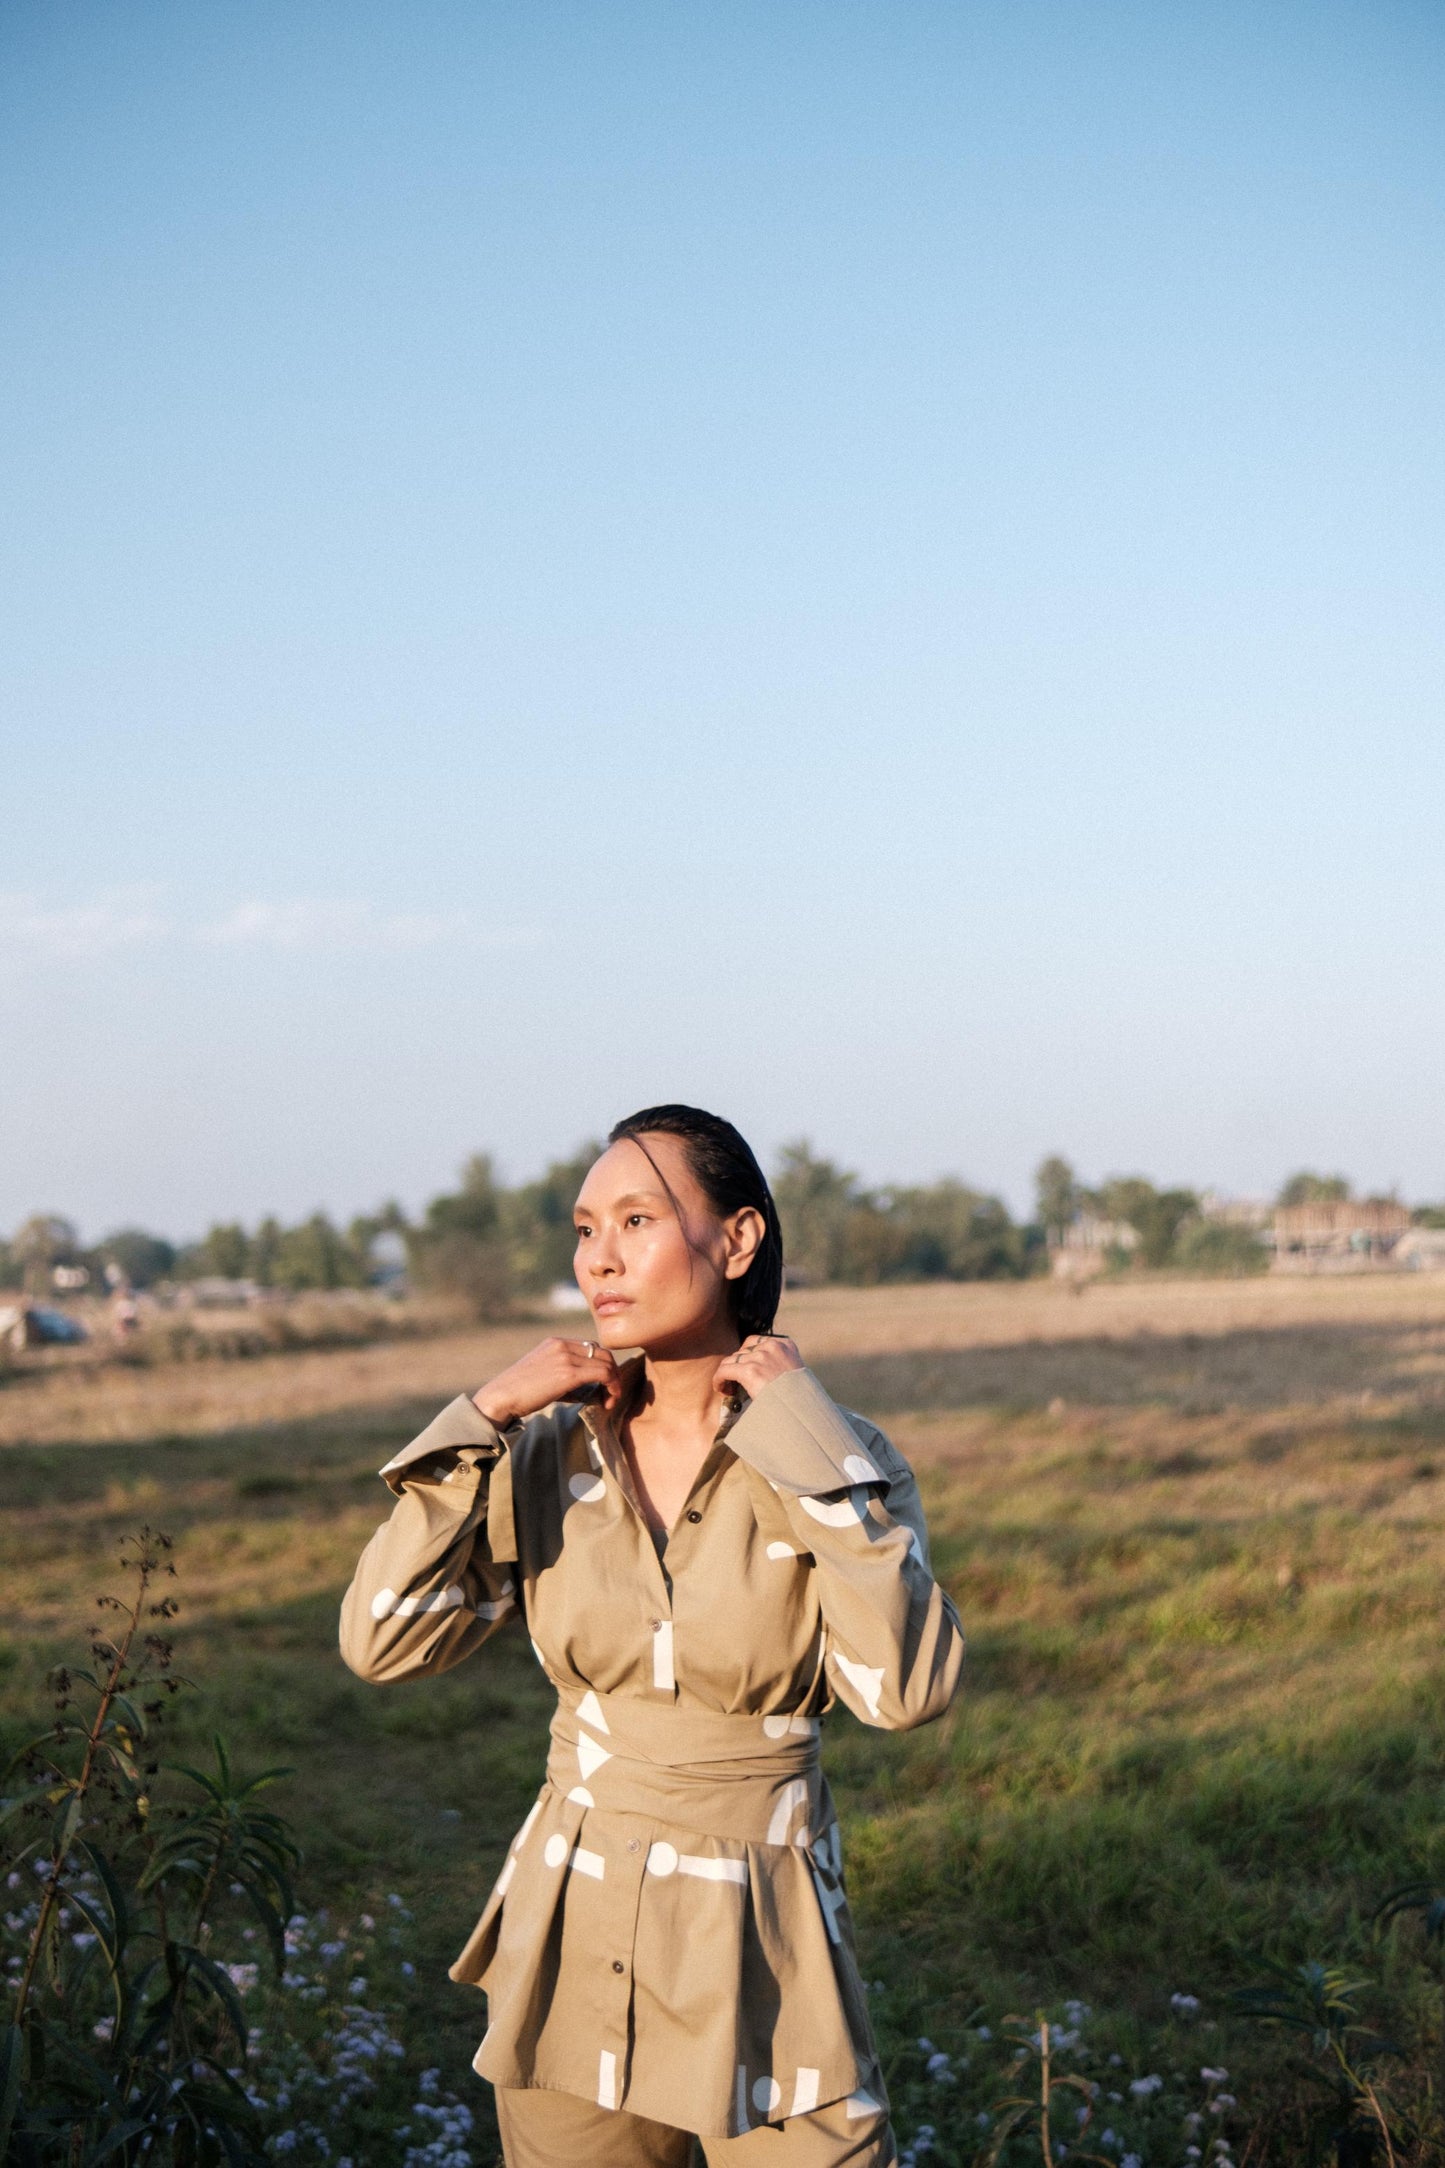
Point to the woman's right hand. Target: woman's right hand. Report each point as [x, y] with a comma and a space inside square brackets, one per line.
[554, 1371]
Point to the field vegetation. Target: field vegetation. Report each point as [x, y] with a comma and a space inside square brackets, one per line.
[1196, 1532]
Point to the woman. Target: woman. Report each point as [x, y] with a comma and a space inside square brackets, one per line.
[707, 1552]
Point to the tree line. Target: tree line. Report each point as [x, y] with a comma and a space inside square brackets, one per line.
[491, 1245]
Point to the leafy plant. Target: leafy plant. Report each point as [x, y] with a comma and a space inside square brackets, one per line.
[126, 2036]
[1319, 2004]
[1426, 1901]
[1037, 2112]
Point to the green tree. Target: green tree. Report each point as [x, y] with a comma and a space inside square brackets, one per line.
[45, 1241]
[317, 1255]
[1307, 1188]
[461, 1248]
[1156, 1215]
[948, 1231]
[538, 1221]
[222, 1253]
[264, 1251]
[142, 1257]
[1167, 1212]
[1057, 1191]
[815, 1200]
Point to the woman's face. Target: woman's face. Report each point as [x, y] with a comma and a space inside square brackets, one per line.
[653, 1279]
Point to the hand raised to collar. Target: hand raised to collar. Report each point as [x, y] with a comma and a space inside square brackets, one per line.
[761, 1358]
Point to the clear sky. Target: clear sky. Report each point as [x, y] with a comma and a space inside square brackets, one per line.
[874, 566]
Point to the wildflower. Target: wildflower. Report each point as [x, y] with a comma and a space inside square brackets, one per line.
[1117, 2061]
[368, 1923]
[1109, 2136]
[408, 1969]
[332, 1950]
[1192, 2122]
[1132, 2160]
[395, 1902]
[1185, 2006]
[1214, 2077]
[1220, 2102]
[12, 1880]
[1142, 2088]
[357, 1988]
[84, 1941]
[103, 2028]
[243, 1977]
[926, 2047]
[984, 2033]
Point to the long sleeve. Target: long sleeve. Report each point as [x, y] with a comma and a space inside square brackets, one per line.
[439, 1577]
[894, 1643]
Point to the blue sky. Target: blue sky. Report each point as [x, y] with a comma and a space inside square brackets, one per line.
[877, 567]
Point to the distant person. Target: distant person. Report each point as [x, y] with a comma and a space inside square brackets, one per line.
[124, 1313]
[707, 1552]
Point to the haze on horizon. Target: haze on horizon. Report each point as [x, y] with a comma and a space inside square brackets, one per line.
[874, 567]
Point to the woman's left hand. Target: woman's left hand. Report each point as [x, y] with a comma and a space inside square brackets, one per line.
[756, 1363]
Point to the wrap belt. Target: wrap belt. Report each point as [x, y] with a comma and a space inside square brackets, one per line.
[741, 1779]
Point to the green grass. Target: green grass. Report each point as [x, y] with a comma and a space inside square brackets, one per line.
[1202, 1718]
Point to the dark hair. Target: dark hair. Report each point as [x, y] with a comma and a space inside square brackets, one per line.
[731, 1179]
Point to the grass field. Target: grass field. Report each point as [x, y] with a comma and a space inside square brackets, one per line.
[1196, 1532]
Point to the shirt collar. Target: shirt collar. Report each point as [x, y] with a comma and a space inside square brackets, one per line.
[601, 1421]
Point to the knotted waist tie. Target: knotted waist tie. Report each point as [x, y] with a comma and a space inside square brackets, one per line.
[747, 1779]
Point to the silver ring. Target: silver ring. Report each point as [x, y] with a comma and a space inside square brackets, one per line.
[588, 1349]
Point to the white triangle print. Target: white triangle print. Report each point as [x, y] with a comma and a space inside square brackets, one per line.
[590, 1756]
[589, 1708]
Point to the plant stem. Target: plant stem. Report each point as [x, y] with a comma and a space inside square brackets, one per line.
[78, 1789]
[1044, 2091]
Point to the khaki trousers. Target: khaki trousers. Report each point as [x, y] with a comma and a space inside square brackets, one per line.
[557, 2130]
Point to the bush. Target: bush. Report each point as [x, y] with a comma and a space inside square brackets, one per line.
[1213, 1246]
[146, 2025]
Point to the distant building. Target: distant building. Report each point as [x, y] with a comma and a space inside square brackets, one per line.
[1255, 1213]
[215, 1293]
[1081, 1250]
[1420, 1249]
[1338, 1235]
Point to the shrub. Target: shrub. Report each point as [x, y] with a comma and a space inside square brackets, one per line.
[1212, 1246]
[142, 1906]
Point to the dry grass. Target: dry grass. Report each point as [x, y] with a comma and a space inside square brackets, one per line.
[1260, 1343]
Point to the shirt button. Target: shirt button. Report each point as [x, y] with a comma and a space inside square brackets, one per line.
[634, 1844]
[617, 1965]
[694, 1515]
[655, 1624]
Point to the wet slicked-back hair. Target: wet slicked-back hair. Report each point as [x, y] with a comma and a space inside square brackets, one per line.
[730, 1178]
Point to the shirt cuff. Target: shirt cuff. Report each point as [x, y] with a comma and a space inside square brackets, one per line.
[800, 1440]
[461, 1429]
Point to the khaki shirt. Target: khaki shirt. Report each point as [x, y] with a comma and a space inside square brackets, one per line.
[669, 1933]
